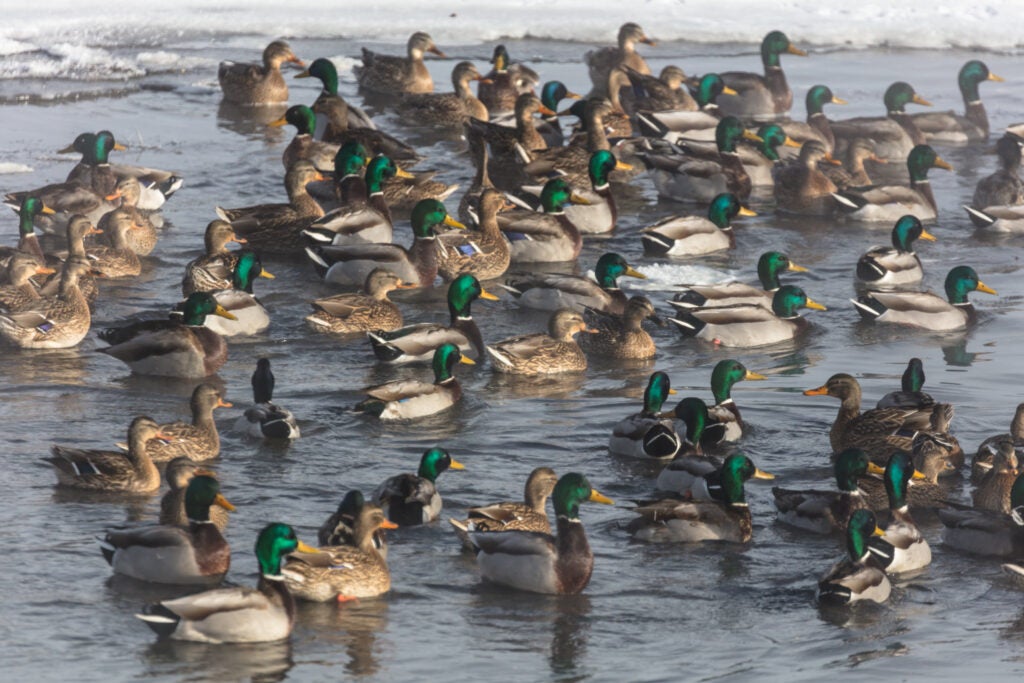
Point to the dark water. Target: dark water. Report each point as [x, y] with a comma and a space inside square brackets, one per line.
[651, 612]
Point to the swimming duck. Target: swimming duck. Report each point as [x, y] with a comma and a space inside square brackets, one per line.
[549, 127]
[749, 325]
[897, 265]
[343, 572]
[502, 139]
[353, 313]
[690, 462]
[256, 84]
[412, 499]
[549, 292]
[142, 238]
[364, 214]
[265, 419]
[986, 532]
[68, 200]
[93, 470]
[817, 126]
[27, 239]
[179, 473]
[446, 109]
[351, 263]
[549, 236]
[21, 292]
[78, 229]
[769, 265]
[680, 125]
[571, 161]
[196, 554]
[667, 92]
[410, 399]
[94, 170]
[118, 260]
[801, 187]
[198, 440]
[894, 134]
[180, 347]
[856, 578]
[925, 309]
[762, 97]
[644, 434]
[559, 564]
[403, 191]
[851, 173]
[391, 75]
[623, 336]
[993, 487]
[910, 394]
[948, 126]
[902, 548]
[826, 511]
[249, 315]
[304, 147]
[469, 204]
[1004, 187]
[601, 62]
[890, 202]
[60, 321]
[237, 614]
[761, 163]
[506, 81]
[525, 515]
[543, 354]
[483, 253]
[983, 458]
[725, 423]
[212, 270]
[339, 529]
[696, 235]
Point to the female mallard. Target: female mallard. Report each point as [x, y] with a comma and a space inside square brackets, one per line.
[411, 499]
[52, 322]
[410, 399]
[66, 201]
[623, 336]
[897, 265]
[538, 562]
[894, 134]
[947, 126]
[420, 341]
[645, 434]
[603, 61]
[390, 75]
[354, 313]
[910, 394]
[142, 238]
[21, 293]
[801, 187]
[696, 235]
[667, 92]
[889, 202]
[179, 347]
[924, 309]
[212, 270]
[364, 214]
[571, 161]
[524, 515]
[237, 614]
[599, 215]
[857, 577]
[769, 265]
[763, 97]
[195, 554]
[132, 471]
[469, 204]
[982, 462]
[545, 237]
[303, 146]
[817, 126]
[749, 325]
[543, 354]
[339, 529]
[179, 473]
[993, 487]
[256, 84]
[852, 174]
[249, 315]
[198, 440]
[265, 419]
[986, 532]
[1004, 187]
[351, 263]
[902, 548]
[549, 292]
[483, 253]
[826, 511]
[343, 572]
[450, 109]
[505, 82]
[119, 259]
[682, 125]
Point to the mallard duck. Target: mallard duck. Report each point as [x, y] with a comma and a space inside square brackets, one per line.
[353, 313]
[910, 394]
[351, 263]
[410, 399]
[817, 126]
[525, 515]
[390, 75]
[419, 342]
[571, 161]
[237, 614]
[304, 147]
[256, 84]
[889, 202]
[851, 173]
[502, 139]
[68, 200]
[667, 92]
[623, 336]
[690, 461]
[343, 572]
[948, 126]
[549, 236]
[265, 419]
[982, 462]
[249, 315]
[725, 423]
[196, 554]
[762, 97]
[749, 325]
[52, 322]
[985, 532]
[94, 170]
[998, 219]
[543, 354]
[645, 434]
[411, 499]
[469, 204]
[993, 487]
[538, 562]
[132, 471]
[483, 253]
[179, 347]
[212, 270]
[826, 511]
[339, 529]
[142, 238]
[725, 519]
[179, 473]
[763, 161]
[680, 125]
[696, 235]
[902, 547]
[364, 214]
[198, 440]
[28, 242]
[119, 259]
[856, 578]
[894, 134]
[1004, 187]
[601, 62]
[21, 292]
[769, 265]
[505, 82]
[801, 187]
[446, 109]
[549, 292]
[925, 309]
[550, 129]
[897, 265]
[403, 191]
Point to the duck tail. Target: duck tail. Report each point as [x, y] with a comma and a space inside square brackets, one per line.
[162, 620]
[869, 307]
[687, 299]
[979, 218]
[383, 348]
[687, 324]
[868, 269]
[848, 202]
[656, 244]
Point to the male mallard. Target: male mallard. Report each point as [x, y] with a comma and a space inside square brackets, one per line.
[889, 202]
[343, 572]
[549, 236]
[94, 169]
[549, 292]
[28, 242]
[505, 82]
[539, 562]
[817, 126]
[483, 253]
[249, 315]
[601, 62]
[523, 515]
[354, 313]
[748, 325]
[412, 499]
[925, 309]
[550, 129]
[897, 265]
[894, 134]
[856, 577]
[364, 214]
[947, 126]
[198, 440]
[826, 511]
[450, 109]
[132, 471]
[763, 97]
[543, 354]
[66, 201]
[801, 187]
[763, 161]
[696, 235]
[986, 532]
[902, 548]
[212, 270]
[339, 529]
[993, 487]
[196, 554]
[119, 259]
[769, 265]
[910, 394]
[982, 462]
[265, 419]
[179, 347]
[52, 322]
[690, 461]
[420, 341]
[645, 434]
[623, 336]
[303, 147]
[680, 125]
[179, 473]
[410, 399]
[725, 412]
[237, 614]
[391, 75]
[21, 292]
[256, 84]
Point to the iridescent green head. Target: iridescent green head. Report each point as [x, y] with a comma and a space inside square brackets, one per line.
[692, 412]
[379, 170]
[445, 358]
[350, 159]
[850, 465]
[500, 59]
[657, 392]
[202, 492]
[723, 209]
[859, 529]
[728, 132]
[434, 462]
[971, 75]
[248, 268]
[197, 306]
[303, 118]
[427, 215]
[274, 542]
[770, 265]
[771, 137]
[555, 195]
[922, 158]
[571, 490]
[554, 92]
[789, 299]
[610, 267]
[709, 88]
[30, 208]
[736, 470]
[818, 96]
[773, 45]
[899, 95]
[725, 375]
[908, 229]
[961, 281]
[897, 475]
[913, 377]
[103, 146]
[324, 70]
[462, 292]
[602, 162]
